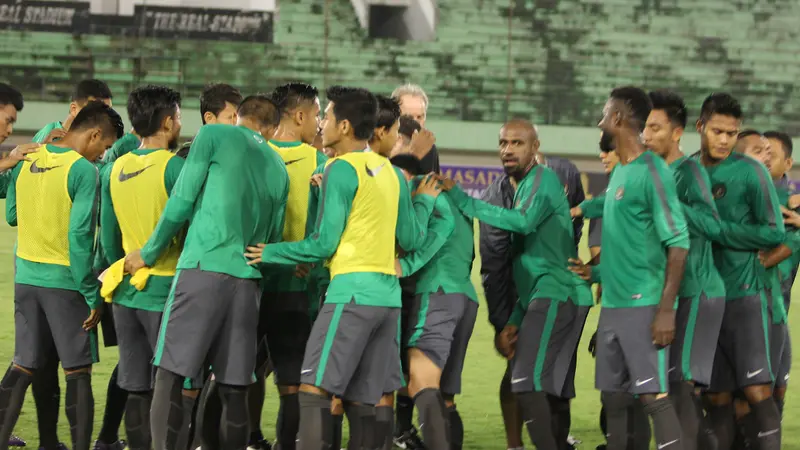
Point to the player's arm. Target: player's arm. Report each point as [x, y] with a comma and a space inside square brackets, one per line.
[576, 197]
[535, 206]
[82, 185]
[413, 215]
[592, 208]
[122, 146]
[339, 186]
[110, 233]
[11, 196]
[184, 194]
[280, 215]
[700, 210]
[313, 203]
[670, 224]
[440, 229]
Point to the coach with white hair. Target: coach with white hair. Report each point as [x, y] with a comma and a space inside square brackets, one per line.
[414, 102]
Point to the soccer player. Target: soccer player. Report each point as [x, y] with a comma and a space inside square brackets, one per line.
[701, 302]
[135, 190]
[364, 205]
[221, 192]
[637, 321]
[218, 105]
[285, 306]
[754, 145]
[544, 319]
[85, 91]
[56, 294]
[787, 255]
[748, 205]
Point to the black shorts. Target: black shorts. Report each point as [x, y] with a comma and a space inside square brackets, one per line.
[781, 345]
[697, 324]
[743, 356]
[210, 319]
[286, 326]
[627, 360]
[137, 331]
[545, 347]
[108, 328]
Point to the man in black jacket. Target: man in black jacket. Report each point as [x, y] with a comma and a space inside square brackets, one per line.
[496, 269]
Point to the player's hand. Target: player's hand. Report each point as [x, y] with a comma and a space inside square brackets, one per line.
[253, 253]
[794, 201]
[421, 143]
[302, 270]
[582, 270]
[92, 320]
[506, 341]
[429, 186]
[593, 345]
[663, 327]
[316, 179]
[446, 183]
[134, 262]
[576, 212]
[18, 154]
[398, 268]
[54, 135]
[790, 217]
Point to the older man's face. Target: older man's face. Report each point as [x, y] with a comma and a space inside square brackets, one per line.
[413, 106]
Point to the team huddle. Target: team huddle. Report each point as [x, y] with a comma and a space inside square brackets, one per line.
[321, 245]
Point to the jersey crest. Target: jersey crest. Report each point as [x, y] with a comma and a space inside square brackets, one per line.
[718, 190]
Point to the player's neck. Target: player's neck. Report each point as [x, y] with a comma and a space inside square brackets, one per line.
[155, 142]
[286, 134]
[673, 155]
[707, 161]
[375, 147]
[67, 122]
[349, 146]
[629, 148]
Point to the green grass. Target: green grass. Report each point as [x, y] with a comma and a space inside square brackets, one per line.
[478, 404]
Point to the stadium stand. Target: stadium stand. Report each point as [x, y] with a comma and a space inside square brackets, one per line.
[552, 61]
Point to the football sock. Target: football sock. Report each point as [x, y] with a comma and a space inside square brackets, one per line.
[639, 434]
[234, 430]
[617, 407]
[433, 419]
[12, 395]
[288, 421]
[47, 396]
[166, 412]
[683, 401]
[79, 402]
[210, 417]
[404, 410]
[768, 419]
[538, 419]
[456, 428]
[185, 434]
[384, 427]
[723, 422]
[316, 428]
[116, 401]
[666, 426]
[362, 424]
[137, 420]
[562, 419]
[336, 440]
[255, 404]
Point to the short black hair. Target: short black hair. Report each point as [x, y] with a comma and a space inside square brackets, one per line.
[9, 95]
[149, 105]
[606, 143]
[356, 105]
[672, 104]
[289, 96]
[95, 114]
[407, 162]
[720, 103]
[388, 112]
[408, 126]
[637, 100]
[785, 140]
[748, 132]
[261, 108]
[214, 97]
[97, 89]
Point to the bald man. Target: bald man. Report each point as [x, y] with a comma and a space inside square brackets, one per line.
[547, 320]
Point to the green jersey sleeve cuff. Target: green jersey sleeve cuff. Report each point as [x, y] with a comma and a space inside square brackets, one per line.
[678, 241]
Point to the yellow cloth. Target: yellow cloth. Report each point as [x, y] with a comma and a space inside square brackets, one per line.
[113, 277]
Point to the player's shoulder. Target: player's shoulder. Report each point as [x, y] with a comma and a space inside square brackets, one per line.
[544, 176]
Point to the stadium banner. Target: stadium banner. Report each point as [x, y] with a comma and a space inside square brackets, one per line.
[204, 23]
[472, 179]
[54, 16]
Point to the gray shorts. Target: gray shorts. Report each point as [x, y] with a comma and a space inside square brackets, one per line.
[350, 351]
[286, 325]
[577, 332]
[210, 319]
[44, 317]
[627, 360]
[697, 324]
[781, 353]
[440, 325]
[545, 347]
[137, 334]
[743, 356]
[396, 378]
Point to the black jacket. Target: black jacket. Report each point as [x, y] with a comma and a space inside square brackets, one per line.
[495, 244]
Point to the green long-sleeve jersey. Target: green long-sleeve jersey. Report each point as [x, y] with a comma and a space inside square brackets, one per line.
[444, 261]
[42, 134]
[543, 240]
[222, 194]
